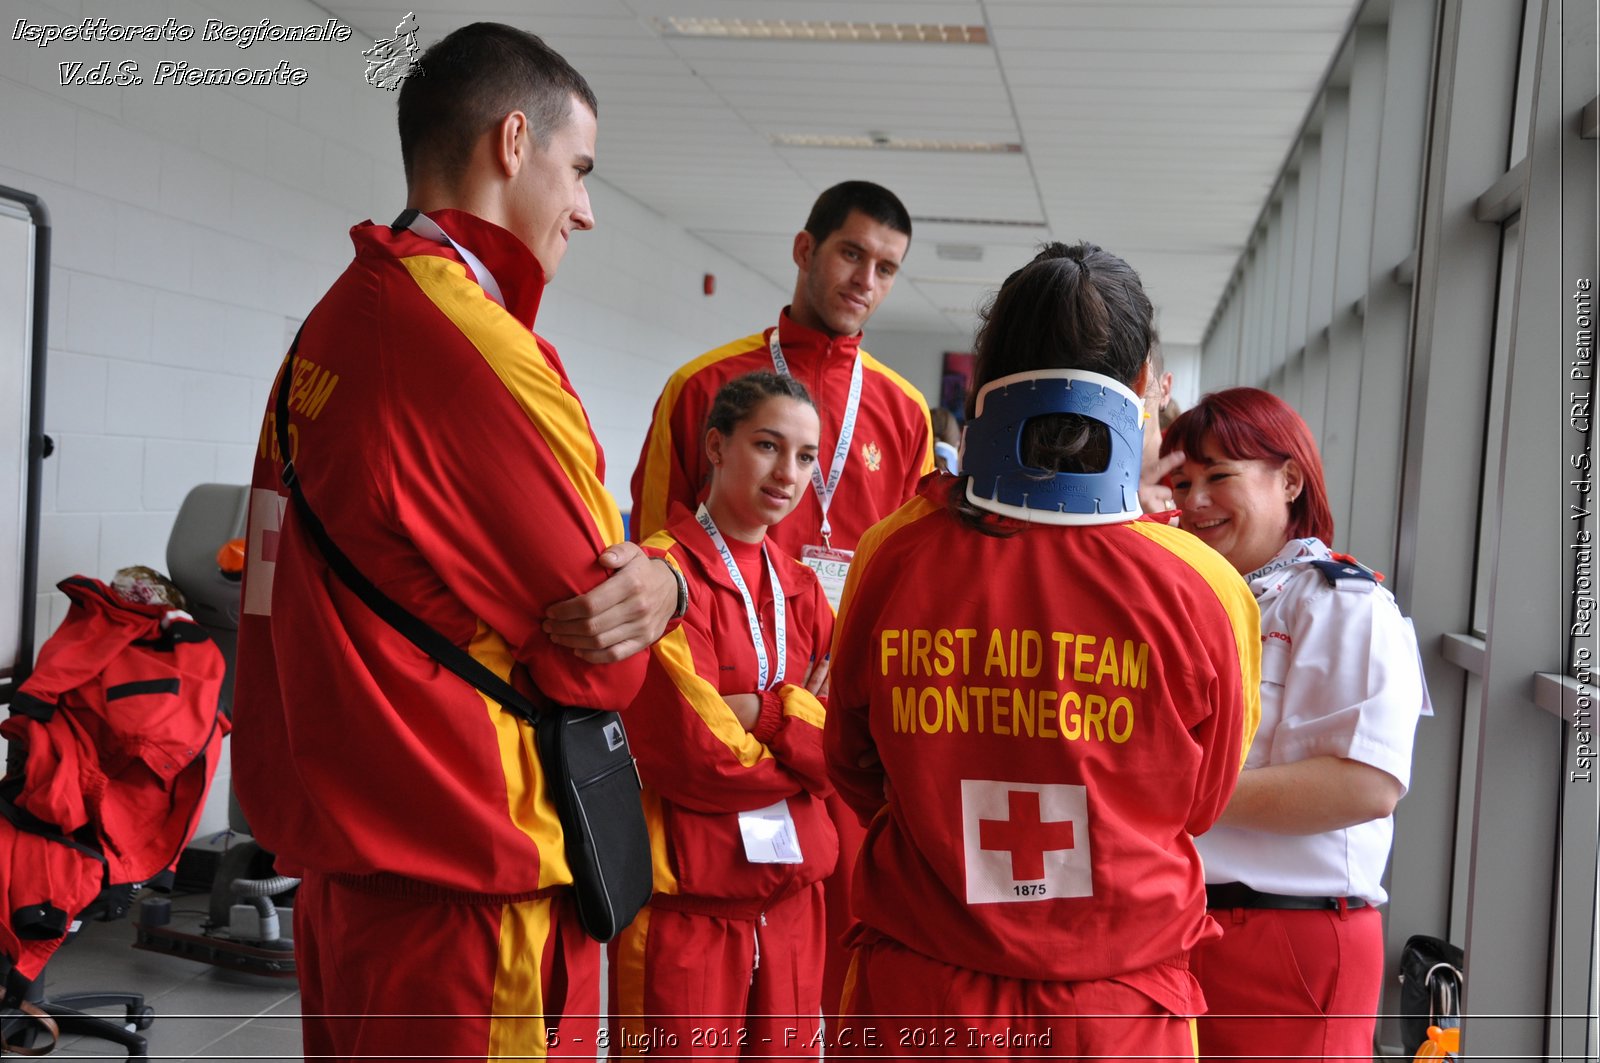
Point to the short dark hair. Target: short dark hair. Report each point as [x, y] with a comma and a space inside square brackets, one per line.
[1072, 307]
[738, 398]
[831, 209]
[471, 79]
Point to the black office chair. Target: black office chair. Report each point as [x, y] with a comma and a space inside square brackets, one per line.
[68, 1009]
[243, 931]
[23, 1032]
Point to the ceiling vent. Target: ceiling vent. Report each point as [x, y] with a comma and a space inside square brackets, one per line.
[1003, 223]
[959, 252]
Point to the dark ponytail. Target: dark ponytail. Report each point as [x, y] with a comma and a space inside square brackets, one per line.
[1072, 307]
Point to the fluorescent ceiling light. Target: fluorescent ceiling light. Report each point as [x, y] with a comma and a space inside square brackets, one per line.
[801, 30]
[973, 282]
[1000, 222]
[883, 143]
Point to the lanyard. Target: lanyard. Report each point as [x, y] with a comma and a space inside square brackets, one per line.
[429, 229]
[847, 431]
[1259, 580]
[750, 612]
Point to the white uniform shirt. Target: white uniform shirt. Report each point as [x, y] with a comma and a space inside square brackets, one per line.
[1340, 676]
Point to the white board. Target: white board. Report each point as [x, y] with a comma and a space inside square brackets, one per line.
[16, 357]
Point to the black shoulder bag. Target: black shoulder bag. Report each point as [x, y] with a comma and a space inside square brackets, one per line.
[1432, 976]
[593, 780]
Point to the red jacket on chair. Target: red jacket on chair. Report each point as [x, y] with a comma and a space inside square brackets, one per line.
[116, 732]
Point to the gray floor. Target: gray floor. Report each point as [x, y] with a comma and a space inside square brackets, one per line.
[202, 1012]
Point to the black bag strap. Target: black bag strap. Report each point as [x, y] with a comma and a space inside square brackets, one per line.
[418, 633]
[27, 822]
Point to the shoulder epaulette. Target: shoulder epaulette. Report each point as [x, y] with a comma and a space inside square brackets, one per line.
[1351, 570]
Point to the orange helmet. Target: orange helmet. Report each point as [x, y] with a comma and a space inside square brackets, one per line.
[230, 558]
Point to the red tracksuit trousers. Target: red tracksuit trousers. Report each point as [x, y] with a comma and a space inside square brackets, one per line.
[694, 985]
[384, 975]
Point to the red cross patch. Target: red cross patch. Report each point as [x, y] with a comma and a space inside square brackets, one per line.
[261, 549]
[1025, 841]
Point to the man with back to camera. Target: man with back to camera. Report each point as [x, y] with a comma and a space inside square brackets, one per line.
[442, 446]
[876, 444]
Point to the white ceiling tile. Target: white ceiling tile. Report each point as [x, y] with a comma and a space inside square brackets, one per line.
[1160, 41]
[1155, 127]
[1324, 17]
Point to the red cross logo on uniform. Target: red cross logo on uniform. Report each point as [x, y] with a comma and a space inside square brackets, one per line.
[1023, 842]
[1024, 835]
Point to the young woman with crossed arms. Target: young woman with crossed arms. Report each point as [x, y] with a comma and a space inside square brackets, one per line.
[726, 960]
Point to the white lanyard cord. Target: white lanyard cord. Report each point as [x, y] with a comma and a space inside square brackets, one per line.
[429, 229]
[779, 618]
[847, 430]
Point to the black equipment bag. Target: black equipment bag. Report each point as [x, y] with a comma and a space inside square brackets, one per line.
[589, 768]
[1432, 976]
[594, 784]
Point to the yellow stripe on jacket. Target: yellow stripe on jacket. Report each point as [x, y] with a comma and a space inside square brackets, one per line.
[1234, 596]
[516, 358]
[868, 362]
[526, 802]
[655, 496]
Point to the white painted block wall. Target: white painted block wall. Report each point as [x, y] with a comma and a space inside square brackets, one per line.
[194, 227]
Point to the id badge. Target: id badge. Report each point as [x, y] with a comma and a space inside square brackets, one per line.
[831, 567]
[769, 835]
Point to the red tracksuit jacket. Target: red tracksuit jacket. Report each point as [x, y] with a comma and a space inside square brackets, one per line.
[442, 445]
[1057, 713]
[891, 450]
[699, 766]
[119, 729]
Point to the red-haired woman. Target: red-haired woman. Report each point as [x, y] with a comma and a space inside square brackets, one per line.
[1293, 867]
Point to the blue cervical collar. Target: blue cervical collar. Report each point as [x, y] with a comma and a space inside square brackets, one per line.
[1001, 483]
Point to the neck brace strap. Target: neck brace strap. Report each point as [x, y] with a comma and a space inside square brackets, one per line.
[992, 449]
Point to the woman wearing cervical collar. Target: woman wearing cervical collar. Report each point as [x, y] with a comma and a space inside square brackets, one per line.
[1293, 867]
[726, 960]
[1037, 699]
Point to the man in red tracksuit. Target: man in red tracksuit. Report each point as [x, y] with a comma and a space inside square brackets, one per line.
[441, 444]
[877, 440]
[848, 255]
[1033, 764]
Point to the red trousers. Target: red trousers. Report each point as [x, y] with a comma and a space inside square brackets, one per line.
[1291, 985]
[693, 985]
[836, 960]
[903, 1005]
[393, 974]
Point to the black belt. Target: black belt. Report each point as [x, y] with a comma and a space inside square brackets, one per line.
[1238, 895]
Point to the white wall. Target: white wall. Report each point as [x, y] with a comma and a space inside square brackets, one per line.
[1183, 362]
[917, 356]
[194, 227]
